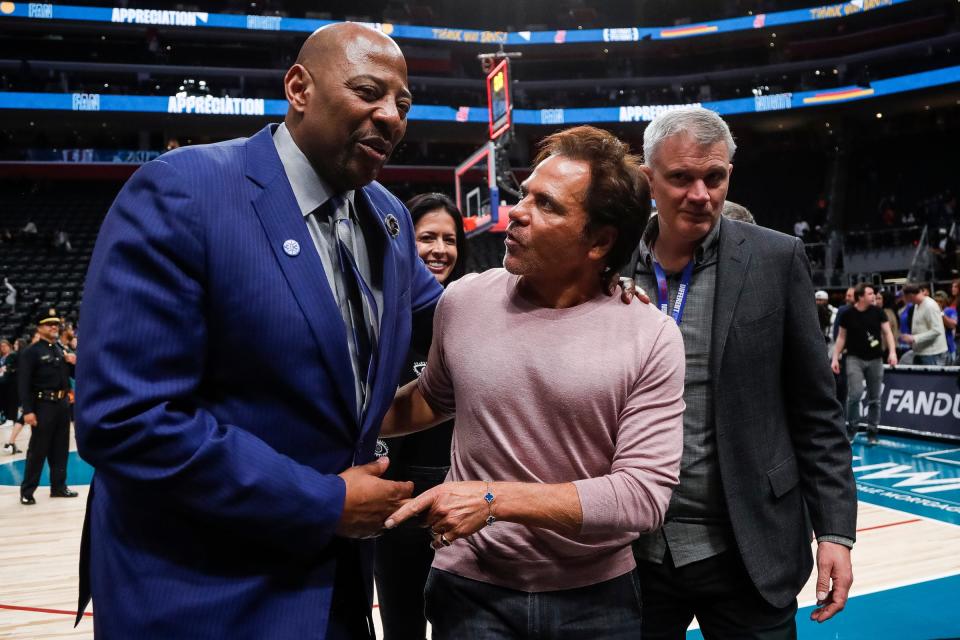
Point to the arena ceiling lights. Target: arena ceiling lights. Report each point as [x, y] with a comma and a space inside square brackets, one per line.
[196, 19]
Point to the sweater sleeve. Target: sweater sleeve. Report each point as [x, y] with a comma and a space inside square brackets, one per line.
[646, 465]
[436, 383]
[932, 324]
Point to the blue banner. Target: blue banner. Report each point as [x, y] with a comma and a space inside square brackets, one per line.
[198, 19]
[84, 156]
[228, 106]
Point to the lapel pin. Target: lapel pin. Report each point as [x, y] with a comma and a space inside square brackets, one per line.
[393, 227]
[291, 248]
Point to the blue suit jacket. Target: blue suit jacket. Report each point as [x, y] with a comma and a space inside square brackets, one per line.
[216, 399]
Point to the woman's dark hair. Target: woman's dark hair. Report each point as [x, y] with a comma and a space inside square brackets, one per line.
[422, 204]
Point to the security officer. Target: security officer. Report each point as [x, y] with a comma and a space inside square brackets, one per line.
[44, 383]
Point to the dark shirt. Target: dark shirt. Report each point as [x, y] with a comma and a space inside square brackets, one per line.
[422, 457]
[42, 368]
[836, 322]
[864, 333]
[823, 315]
[697, 524]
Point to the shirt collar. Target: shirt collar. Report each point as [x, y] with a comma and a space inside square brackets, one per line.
[310, 190]
[706, 251]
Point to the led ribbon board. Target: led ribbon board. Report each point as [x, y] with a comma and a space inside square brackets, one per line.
[209, 105]
[197, 19]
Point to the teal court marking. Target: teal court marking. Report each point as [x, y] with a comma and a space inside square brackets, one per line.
[922, 611]
[913, 476]
[78, 472]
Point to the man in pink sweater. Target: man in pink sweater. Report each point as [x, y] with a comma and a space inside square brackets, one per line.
[568, 424]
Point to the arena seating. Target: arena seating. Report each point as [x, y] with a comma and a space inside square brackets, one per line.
[46, 276]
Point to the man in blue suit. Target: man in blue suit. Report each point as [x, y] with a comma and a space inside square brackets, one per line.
[246, 315]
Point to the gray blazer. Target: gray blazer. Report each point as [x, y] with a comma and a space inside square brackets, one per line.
[784, 458]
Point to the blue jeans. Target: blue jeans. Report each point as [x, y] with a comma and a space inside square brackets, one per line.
[935, 359]
[464, 609]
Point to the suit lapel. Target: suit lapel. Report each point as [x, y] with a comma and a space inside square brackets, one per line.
[734, 258]
[280, 216]
[384, 257]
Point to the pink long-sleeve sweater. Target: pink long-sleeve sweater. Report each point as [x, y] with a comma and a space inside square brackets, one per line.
[591, 394]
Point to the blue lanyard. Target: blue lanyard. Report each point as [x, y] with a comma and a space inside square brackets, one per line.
[663, 293]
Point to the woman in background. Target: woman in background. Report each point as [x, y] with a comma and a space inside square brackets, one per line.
[9, 394]
[404, 555]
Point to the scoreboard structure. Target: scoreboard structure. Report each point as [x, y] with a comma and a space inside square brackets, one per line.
[499, 104]
[482, 178]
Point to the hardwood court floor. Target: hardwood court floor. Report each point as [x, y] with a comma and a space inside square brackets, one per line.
[39, 548]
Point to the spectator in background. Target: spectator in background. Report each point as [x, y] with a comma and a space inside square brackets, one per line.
[739, 212]
[61, 241]
[404, 556]
[841, 378]
[826, 313]
[880, 301]
[848, 300]
[29, 232]
[10, 299]
[949, 325]
[905, 317]
[955, 294]
[863, 331]
[928, 335]
[801, 228]
[9, 394]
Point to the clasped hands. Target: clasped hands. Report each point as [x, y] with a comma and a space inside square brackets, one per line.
[371, 504]
[453, 510]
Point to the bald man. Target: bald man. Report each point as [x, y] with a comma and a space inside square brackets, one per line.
[248, 310]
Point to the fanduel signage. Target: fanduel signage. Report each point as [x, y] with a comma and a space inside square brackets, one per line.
[921, 401]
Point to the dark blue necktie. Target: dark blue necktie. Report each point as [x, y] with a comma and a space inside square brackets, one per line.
[362, 304]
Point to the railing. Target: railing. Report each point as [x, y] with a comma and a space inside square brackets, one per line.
[857, 241]
[921, 263]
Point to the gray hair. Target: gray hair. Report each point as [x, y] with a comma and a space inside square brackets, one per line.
[703, 125]
[739, 212]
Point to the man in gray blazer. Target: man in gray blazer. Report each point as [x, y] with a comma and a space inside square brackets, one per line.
[765, 457]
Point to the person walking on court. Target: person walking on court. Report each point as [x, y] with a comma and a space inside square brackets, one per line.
[864, 329]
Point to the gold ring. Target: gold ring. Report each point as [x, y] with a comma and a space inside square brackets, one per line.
[444, 541]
